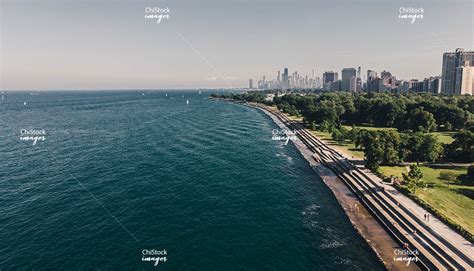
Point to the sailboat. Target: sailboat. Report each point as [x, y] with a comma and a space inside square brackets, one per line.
[187, 102]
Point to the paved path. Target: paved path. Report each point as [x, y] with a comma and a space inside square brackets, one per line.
[440, 247]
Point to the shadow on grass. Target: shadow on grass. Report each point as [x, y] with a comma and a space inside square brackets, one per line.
[465, 192]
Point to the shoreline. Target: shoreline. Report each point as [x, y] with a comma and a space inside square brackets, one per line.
[367, 226]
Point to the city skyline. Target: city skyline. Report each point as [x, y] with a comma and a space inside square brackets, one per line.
[457, 77]
[218, 44]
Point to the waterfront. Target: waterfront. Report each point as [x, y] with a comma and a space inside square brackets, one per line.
[204, 181]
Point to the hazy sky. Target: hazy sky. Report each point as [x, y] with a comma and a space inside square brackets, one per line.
[98, 44]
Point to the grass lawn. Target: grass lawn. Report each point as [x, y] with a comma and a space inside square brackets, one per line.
[452, 201]
[368, 127]
[444, 137]
[345, 147]
[455, 201]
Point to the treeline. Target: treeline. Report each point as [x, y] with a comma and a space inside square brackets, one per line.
[412, 116]
[407, 112]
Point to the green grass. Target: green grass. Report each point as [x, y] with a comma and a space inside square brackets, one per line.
[451, 201]
[368, 127]
[345, 147]
[444, 137]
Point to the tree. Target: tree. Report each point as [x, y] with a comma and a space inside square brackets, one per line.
[413, 178]
[449, 177]
[381, 147]
[462, 148]
[420, 120]
[340, 134]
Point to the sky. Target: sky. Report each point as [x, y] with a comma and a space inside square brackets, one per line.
[99, 44]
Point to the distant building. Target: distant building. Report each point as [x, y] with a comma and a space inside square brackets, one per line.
[353, 84]
[347, 73]
[464, 83]
[359, 85]
[451, 64]
[404, 87]
[250, 83]
[374, 84]
[435, 85]
[388, 82]
[285, 83]
[329, 76]
[371, 75]
[416, 86]
[335, 86]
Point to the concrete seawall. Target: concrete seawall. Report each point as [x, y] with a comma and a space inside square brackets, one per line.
[362, 220]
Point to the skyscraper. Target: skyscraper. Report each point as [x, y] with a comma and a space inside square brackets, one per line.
[347, 73]
[250, 83]
[329, 77]
[284, 79]
[464, 83]
[371, 75]
[451, 64]
[353, 84]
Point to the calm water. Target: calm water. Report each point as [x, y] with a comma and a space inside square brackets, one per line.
[120, 172]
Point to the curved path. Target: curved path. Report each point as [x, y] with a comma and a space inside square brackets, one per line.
[439, 247]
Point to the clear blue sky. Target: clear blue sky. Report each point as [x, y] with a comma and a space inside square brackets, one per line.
[98, 44]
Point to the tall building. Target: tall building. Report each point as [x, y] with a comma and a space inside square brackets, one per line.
[451, 64]
[353, 84]
[388, 82]
[374, 84]
[371, 75]
[416, 86]
[435, 85]
[329, 76]
[464, 83]
[250, 83]
[284, 79]
[347, 73]
[335, 86]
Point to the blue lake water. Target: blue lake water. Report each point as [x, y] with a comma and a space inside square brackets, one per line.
[120, 172]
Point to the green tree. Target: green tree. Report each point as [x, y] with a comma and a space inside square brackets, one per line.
[413, 178]
[420, 120]
[449, 177]
[462, 148]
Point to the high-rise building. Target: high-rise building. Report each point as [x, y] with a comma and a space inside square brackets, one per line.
[371, 75]
[329, 76]
[415, 86]
[451, 63]
[435, 85]
[250, 83]
[284, 79]
[353, 84]
[374, 84]
[464, 83]
[347, 73]
[335, 86]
